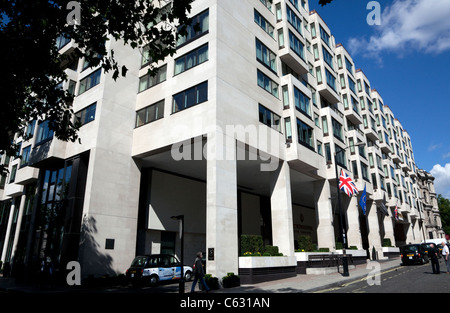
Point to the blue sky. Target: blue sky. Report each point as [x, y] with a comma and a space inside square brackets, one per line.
[407, 59]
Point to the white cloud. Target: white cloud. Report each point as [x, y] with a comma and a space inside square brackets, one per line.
[442, 179]
[408, 25]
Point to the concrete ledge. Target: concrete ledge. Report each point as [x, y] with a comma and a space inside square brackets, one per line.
[261, 269]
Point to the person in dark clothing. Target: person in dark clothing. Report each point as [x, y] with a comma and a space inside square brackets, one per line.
[433, 255]
[199, 273]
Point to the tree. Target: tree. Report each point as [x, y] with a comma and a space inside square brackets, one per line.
[33, 68]
[324, 2]
[444, 211]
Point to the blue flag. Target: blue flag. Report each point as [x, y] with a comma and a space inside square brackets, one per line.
[362, 201]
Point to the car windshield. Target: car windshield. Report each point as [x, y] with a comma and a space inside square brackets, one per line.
[410, 249]
[139, 261]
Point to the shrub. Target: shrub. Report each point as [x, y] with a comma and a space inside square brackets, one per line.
[252, 243]
[272, 250]
[231, 280]
[212, 282]
[387, 242]
[324, 249]
[305, 243]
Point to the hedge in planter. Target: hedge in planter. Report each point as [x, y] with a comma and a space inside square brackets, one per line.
[212, 282]
[231, 280]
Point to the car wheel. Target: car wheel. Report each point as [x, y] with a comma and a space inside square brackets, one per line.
[188, 276]
[153, 281]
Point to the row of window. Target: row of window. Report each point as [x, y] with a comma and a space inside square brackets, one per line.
[199, 27]
[180, 101]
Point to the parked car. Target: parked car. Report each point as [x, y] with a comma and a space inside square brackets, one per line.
[152, 269]
[413, 253]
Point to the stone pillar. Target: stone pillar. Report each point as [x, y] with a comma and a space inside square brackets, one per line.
[324, 215]
[281, 209]
[373, 228]
[8, 229]
[221, 210]
[388, 223]
[19, 223]
[354, 231]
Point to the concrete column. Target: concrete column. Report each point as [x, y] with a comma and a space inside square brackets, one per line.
[354, 231]
[281, 209]
[324, 215]
[8, 229]
[373, 228]
[221, 207]
[19, 223]
[388, 223]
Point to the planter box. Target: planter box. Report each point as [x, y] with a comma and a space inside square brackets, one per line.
[391, 252]
[262, 268]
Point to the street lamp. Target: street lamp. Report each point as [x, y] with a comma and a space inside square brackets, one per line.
[342, 228]
[181, 219]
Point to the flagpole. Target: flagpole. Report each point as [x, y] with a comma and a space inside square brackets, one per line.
[342, 228]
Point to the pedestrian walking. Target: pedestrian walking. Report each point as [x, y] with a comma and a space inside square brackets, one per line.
[199, 273]
[433, 255]
[445, 255]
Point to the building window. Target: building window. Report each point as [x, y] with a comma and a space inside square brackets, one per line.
[266, 56]
[305, 134]
[337, 129]
[340, 157]
[44, 133]
[190, 97]
[269, 118]
[296, 45]
[280, 38]
[364, 171]
[324, 35]
[25, 156]
[12, 177]
[331, 80]
[145, 60]
[294, 20]
[351, 85]
[327, 57]
[302, 102]
[149, 114]
[198, 27]
[147, 81]
[288, 128]
[90, 81]
[61, 41]
[30, 130]
[86, 115]
[191, 59]
[267, 3]
[264, 24]
[266, 83]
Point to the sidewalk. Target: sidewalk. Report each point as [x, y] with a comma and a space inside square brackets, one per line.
[312, 283]
[299, 284]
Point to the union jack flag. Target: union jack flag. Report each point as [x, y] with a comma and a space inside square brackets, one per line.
[346, 184]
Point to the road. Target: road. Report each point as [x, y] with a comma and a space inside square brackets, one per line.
[402, 279]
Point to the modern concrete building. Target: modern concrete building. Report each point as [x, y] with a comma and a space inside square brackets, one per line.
[239, 132]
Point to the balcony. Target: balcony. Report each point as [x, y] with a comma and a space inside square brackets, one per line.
[293, 60]
[328, 93]
[385, 147]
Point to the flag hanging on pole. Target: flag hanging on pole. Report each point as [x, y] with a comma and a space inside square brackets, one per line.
[396, 212]
[362, 201]
[346, 184]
